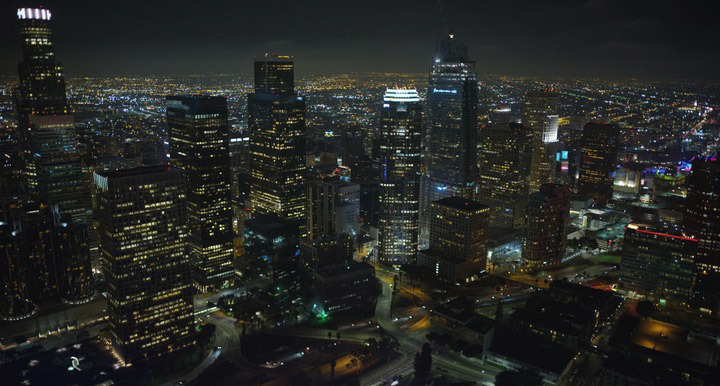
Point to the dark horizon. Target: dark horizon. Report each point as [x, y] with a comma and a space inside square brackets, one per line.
[594, 38]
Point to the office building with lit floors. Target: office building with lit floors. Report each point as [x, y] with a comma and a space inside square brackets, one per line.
[199, 145]
[41, 90]
[276, 127]
[701, 221]
[450, 159]
[657, 263]
[272, 246]
[399, 154]
[540, 114]
[504, 165]
[142, 218]
[458, 239]
[546, 226]
[598, 158]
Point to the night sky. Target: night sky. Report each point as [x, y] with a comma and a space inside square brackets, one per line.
[616, 38]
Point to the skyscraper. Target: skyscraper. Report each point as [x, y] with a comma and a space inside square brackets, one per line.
[142, 216]
[657, 263]
[276, 243]
[450, 163]
[276, 126]
[504, 164]
[399, 154]
[458, 239]
[541, 115]
[702, 222]
[545, 231]
[199, 145]
[42, 86]
[598, 157]
[275, 74]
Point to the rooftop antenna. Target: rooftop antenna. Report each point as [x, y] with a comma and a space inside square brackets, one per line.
[444, 20]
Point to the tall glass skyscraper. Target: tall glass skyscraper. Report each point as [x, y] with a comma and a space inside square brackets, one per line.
[276, 125]
[541, 115]
[399, 154]
[450, 165]
[142, 216]
[275, 74]
[42, 86]
[199, 145]
[52, 172]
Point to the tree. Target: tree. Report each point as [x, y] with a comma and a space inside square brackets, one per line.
[329, 335]
[524, 377]
[645, 308]
[423, 362]
[337, 335]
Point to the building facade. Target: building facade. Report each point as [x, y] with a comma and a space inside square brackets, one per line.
[450, 159]
[541, 116]
[458, 239]
[702, 222]
[598, 157]
[399, 155]
[276, 127]
[504, 165]
[548, 214]
[656, 263]
[142, 217]
[199, 145]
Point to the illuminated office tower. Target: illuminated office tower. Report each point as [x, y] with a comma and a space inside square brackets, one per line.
[702, 222]
[504, 167]
[657, 263]
[399, 155]
[458, 239]
[42, 86]
[541, 115]
[16, 301]
[142, 216]
[199, 145]
[450, 159]
[598, 157]
[72, 259]
[276, 127]
[548, 213]
[275, 74]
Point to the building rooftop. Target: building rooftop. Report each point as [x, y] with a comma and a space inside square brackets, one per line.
[143, 170]
[462, 204]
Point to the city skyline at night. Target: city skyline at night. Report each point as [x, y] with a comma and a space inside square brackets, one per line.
[345, 193]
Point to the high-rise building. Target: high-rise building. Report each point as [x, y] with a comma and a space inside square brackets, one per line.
[458, 239]
[54, 172]
[276, 127]
[541, 115]
[275, 242]
[199, 145]
[320, 208]
[657, 263]
[399, 155]
[42, 86]
[598, 158]
[504, 164]
[142, 216]
[43, 256]
[275, 74]
[450, 161]
[545, 230]
[328, 250]
[701, 221]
